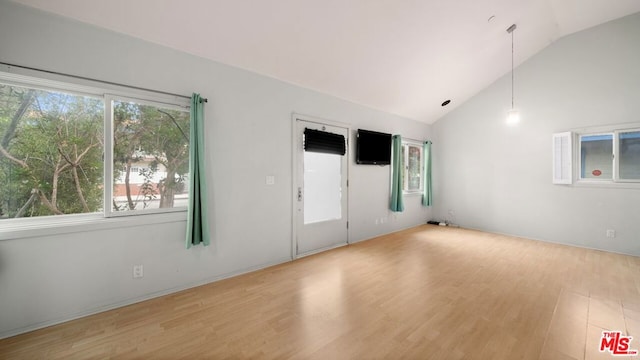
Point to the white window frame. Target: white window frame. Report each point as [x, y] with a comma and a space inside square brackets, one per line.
[405, 168]
[615, 161]
[11, 229]
[575, 137]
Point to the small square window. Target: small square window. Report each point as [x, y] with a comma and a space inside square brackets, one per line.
[607, 157]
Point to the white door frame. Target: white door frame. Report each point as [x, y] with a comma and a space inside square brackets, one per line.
[294, 170]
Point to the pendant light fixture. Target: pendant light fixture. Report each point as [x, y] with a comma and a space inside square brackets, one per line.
[513, 116]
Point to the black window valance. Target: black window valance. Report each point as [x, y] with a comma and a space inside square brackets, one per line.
[324, 142]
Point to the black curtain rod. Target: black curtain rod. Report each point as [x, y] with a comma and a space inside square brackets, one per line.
[100, 81]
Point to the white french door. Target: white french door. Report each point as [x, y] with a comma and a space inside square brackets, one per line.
[320, 192]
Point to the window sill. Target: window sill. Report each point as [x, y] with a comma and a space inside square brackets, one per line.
[412, 193]
[11, 229]
[606, 184]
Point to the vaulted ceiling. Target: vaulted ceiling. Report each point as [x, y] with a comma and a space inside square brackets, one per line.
[400, 56]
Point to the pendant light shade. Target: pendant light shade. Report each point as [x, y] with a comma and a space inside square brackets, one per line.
[513, 116]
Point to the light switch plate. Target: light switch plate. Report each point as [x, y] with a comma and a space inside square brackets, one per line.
[270, 180]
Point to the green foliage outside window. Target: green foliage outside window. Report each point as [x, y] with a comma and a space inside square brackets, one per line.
[50, 153]
[52, 146]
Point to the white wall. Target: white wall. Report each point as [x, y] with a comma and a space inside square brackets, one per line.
[498, 178]
[48, 279]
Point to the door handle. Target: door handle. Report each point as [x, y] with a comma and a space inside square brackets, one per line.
[299, 194]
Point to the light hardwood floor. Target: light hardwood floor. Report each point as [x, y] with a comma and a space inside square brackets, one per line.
[424, 293]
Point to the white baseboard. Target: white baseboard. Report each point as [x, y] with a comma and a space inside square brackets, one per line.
[313, 252]
[549, 241]
[153, 295]
[119, 304]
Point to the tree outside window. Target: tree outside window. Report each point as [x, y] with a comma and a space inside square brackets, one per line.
[412, 165]
[151, 156]
[52, 154]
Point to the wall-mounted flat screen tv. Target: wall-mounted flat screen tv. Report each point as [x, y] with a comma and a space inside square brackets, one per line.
[373, 148]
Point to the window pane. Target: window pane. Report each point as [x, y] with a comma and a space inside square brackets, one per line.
[150, 157]
[322, 187]
[51, 155]
[413, 168]
[630, 155]
[596, 155]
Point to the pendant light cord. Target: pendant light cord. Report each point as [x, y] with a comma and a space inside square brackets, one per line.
[512, 70]
[513, 117]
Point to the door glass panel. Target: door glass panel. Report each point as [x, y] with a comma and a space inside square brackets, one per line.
[322, 187]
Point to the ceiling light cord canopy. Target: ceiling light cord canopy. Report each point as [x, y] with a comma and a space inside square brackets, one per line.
[513, 115]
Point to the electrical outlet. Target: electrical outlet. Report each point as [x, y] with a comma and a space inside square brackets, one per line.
[138, 271]
[270, 180]
[611, 233]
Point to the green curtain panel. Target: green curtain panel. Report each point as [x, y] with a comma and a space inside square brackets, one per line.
[197, 221]
[427, 195]
[397, 203]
